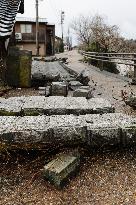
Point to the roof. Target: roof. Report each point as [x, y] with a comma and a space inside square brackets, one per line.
[28, 19]
[8, 12]
[33, 20]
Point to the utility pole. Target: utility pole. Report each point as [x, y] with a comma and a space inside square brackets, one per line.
[62, 22]
[37, 28]
[68, 39]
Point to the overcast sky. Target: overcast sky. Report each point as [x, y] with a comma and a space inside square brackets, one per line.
[119, 12]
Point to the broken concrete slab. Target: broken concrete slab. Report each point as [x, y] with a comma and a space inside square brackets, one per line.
[59, 89]
[78, 106]
[106, 130]
[38, 76]
[86, 87]
[54, 105]
[83, 93]
[51, 72]
[42, 91]
[11, 106]
[103, 135]
[74, 85]
[60, 169]
[128, 132]
[7, 124]
[52, 77]
[42, 131]
[94, 131]
[33, 105]
[84, 77]
[66, 105]
[47, 91]
[31, 130]
[100, 105]
[70, 126]
[131, 101]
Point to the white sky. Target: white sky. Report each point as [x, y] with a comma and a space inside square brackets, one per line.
[119, 12]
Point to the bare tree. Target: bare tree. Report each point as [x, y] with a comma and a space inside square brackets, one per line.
[95, 30]
[107, 36]
[83, 29]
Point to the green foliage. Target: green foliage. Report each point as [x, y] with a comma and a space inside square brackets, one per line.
[107, 66]
[110, 67]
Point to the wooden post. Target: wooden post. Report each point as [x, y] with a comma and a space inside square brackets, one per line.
[37, 29]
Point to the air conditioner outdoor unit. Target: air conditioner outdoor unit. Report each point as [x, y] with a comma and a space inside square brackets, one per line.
[18, 36]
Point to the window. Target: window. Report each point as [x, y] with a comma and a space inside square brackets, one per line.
[26, 28]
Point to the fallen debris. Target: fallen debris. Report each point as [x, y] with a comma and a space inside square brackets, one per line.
[44, 72]
[59, 89]
[83, 93]
[84, 77]
[60, 169]
[131, 101]
[92, 131]
[47, 91]
[42, 91]
[53, 105]
[74, 85]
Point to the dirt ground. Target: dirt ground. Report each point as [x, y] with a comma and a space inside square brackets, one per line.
[105, 178]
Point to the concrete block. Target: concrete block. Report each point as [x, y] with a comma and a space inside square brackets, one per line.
[31, 130]
[102, 135]
[128, 132]
[55, 105]
[100, 106]
[86, 87]
[59, 89]
[52, 77]
[84, 77]
[48, 91]
[74, 85]
[6, 125]
[68, 129]
[66, 105]
[83, 93]
[19, 68]
[51, 71]
[42, 91]
[96, 131]
[12, 106]
[33, 105]
[77, 106]
[60, 169]
[106, 130]
[131, 101]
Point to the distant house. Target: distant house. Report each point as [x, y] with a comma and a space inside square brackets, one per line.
[58, 44]
[25, 35]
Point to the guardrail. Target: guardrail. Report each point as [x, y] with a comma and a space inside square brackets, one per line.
[125, 58]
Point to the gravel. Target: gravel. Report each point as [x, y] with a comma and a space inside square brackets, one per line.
[104, 179]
